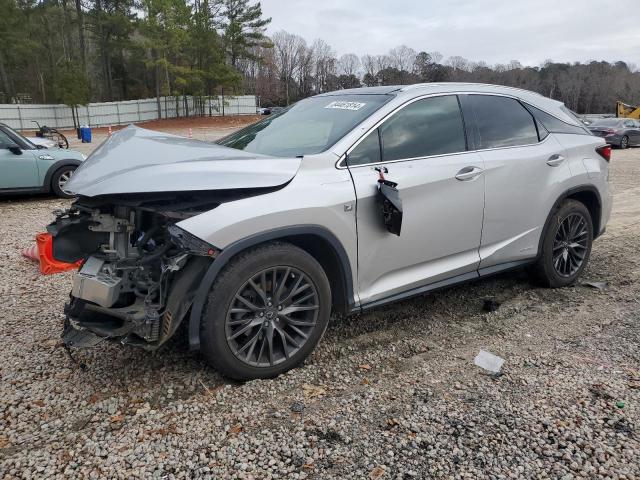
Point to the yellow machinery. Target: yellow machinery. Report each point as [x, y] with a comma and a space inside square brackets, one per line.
[627, 111]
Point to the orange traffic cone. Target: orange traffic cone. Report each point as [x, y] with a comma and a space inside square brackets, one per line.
[49, 265]
[31, 252]
[110, 132]
[190, 133]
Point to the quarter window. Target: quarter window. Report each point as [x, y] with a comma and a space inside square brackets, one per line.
[554, 124]
[432, 126]
[367, 151]
[502, 122]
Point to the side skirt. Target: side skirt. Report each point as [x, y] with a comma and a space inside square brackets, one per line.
[449, 282]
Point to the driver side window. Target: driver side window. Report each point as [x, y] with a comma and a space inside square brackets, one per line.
[431, 126]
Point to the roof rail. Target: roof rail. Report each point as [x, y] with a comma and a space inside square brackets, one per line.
[437, 84]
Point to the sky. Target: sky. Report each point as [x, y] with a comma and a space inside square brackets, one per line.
[496, 31]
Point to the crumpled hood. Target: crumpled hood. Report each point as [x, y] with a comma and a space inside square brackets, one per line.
[135, 160]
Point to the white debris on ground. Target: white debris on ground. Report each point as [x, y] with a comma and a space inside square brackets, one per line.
[389, 394]
[488, 361]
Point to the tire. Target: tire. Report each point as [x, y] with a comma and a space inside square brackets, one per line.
[559, 263]
[57, 181]
[624, 142]
[230, 325]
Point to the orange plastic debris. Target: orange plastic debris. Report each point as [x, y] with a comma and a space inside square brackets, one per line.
[48, 265]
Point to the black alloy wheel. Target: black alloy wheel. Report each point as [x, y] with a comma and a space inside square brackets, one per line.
[271, 316]
[570, 245]
[265, 312]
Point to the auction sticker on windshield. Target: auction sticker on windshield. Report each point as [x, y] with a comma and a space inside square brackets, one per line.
[346, 105]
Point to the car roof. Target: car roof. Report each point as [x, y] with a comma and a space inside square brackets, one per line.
[415, 90]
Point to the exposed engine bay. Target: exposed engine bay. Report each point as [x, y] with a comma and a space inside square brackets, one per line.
[139, 273]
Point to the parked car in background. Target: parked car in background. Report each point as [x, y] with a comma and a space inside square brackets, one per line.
[43, 142]
[270, 110]
[344, 202]
[620, 132]
[28, 168]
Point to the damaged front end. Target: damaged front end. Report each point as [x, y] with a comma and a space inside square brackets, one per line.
[139, 273]
[140, 270]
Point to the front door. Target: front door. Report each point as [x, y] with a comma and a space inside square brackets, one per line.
[441, 186]
[16, 171]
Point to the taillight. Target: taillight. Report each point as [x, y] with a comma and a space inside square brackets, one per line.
[605, 152]
[609, 131]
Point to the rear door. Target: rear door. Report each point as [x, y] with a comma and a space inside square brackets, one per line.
[441, 187]
[525, 172]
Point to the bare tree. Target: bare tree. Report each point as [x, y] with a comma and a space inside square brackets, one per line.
[288, 48]
[324, 64]
[383, 62]
[368, 63]
[349, 64]
[436, 57]
[402, 57]
[458, 63]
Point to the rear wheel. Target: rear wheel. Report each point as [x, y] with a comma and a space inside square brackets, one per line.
[624, 142]
[60, 179]
[566, 246]
[266, 312]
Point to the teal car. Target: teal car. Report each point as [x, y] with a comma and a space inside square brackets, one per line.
[26, 168]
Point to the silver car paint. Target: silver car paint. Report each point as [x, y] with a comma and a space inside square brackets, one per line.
[443, 233]
[515, 211]
[136, 160]
[319, 195]
[440, 229]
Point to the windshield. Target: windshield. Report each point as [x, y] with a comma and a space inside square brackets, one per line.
[606, 122]
[309, 126]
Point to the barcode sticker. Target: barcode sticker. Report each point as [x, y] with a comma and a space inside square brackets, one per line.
[341, 105]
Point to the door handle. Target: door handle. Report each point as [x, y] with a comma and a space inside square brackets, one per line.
[468, 173]
[555, 160]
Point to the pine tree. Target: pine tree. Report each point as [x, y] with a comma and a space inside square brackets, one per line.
[244, 29]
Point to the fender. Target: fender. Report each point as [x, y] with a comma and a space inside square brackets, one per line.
[52, 169]
[279, 233]
[572, 191]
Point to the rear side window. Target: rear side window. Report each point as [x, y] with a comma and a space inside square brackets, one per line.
[502, 122]
[555, 125]
[432, 126]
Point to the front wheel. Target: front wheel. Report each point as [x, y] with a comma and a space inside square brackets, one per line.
[60, 179]
[266, 312]
[566, 246]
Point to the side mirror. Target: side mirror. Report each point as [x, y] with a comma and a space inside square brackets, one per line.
[14, 148]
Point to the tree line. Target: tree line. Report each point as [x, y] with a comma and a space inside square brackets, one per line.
[76, 51]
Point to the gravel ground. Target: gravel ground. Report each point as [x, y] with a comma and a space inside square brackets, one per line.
[390, 394]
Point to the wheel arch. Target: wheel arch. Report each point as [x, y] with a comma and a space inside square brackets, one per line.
[55, 167]
[316, 240]
[589, 196]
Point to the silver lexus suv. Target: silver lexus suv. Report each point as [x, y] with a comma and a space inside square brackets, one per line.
[341, 203]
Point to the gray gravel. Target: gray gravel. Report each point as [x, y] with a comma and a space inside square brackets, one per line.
[390, 394]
